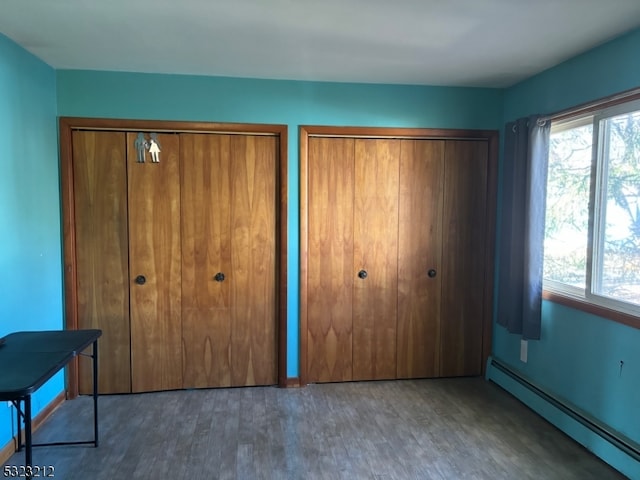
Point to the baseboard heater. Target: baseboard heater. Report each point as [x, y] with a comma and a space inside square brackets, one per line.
[617, 439]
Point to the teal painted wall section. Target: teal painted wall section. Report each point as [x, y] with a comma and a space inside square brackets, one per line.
[608, 69]
[183, 97]
[219, 99]
[578, 357]
[30, 244]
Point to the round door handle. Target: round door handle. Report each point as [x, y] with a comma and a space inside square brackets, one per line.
[141, 280]
[432, 273]
[362, 274]
[219, 277]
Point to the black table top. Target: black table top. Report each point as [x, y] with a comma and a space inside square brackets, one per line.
[29, 359]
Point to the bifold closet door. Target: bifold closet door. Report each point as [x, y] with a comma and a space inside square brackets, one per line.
[463, 264]
[155, 267]
[229, 260]
[331, 273]
[375, 258]
[419, 258]
[102, 257]
[352, 261]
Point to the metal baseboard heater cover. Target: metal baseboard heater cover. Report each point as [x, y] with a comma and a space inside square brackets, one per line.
[617, 439]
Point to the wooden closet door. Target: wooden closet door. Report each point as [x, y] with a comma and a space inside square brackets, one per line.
[253, 259]
[102, 257]
[330, 275]
[154, 252]
[419, 258]
[206, 251]
[229, 228]
[463, 260]
[376, 253]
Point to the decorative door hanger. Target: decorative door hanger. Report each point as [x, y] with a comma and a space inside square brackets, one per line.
[151, 145]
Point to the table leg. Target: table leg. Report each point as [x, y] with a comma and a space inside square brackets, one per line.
[28, 460]
[19, 417]
[95, 392]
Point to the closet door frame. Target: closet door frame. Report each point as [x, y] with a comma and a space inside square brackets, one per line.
[309, 131]
[69, 124]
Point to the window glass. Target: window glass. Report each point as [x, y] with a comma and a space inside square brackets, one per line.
[567, 218]
[616, 272]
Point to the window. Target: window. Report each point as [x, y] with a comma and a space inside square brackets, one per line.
[592, 229]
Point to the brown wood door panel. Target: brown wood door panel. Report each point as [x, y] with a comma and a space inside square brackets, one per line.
[330, 259]
[206, 251]
[102, 257]
[419, 250]
[252, 277]
[376, 252]
[154, 252]
[463, 261]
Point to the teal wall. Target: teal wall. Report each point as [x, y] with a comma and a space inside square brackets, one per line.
[578, 357]
[30, 244]
[608, 69]
[176, 97]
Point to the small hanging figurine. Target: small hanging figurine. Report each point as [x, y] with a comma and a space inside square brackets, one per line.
[154, 148]
[141, 146]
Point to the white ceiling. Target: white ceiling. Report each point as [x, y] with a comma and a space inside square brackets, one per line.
[490, 43]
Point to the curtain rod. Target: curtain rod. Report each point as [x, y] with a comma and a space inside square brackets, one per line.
[589, 107]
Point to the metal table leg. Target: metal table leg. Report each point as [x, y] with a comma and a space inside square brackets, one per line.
[16, 405]
[95, 392]
[28, 460]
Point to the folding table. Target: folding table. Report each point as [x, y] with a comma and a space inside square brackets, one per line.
[27, 361]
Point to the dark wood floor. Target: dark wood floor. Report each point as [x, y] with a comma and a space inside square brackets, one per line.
[425, 429]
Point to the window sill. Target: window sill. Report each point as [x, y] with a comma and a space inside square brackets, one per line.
[579, 304]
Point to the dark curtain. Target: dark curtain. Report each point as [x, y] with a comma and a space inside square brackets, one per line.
[521, 237]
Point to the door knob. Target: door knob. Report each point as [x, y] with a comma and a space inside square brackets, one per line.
[219, 277]
[432, 273]
[362, 274]
[141, 280]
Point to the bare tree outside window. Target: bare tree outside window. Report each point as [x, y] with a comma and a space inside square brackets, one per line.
[567, 220]
[617, 255]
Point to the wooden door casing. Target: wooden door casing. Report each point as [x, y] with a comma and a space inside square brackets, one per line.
[464, 264]
[154, 252]
[145, 306]
[331, 277]
[102, 257]
[375, 251]
[445, 223]
[419, 252]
